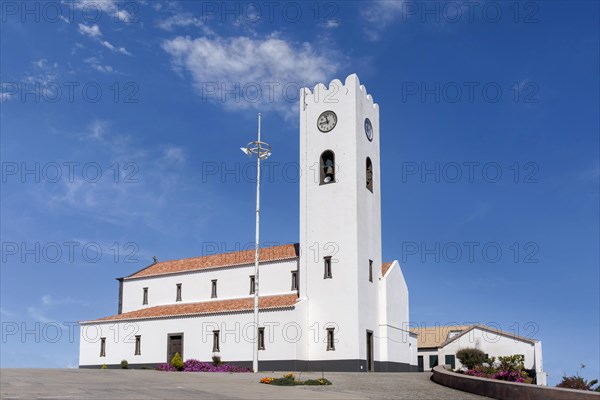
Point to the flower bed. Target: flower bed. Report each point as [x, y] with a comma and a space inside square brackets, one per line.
[192, 365]
[290, 380]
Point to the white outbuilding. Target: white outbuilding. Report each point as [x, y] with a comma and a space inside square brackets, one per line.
[328, 303]
[439, 345]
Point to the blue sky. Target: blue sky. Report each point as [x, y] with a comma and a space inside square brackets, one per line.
[129, 117]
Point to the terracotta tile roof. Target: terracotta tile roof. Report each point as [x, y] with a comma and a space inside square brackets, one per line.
[492, 330]
[438, 336]
[206, 307]
[276, 253]
[385, 267]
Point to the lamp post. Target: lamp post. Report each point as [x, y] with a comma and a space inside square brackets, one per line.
[262, 151]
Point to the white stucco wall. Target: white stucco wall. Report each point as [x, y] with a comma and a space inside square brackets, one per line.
[232, 282]
[236, 335]
[492, 344]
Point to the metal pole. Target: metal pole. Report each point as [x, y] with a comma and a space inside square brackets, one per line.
[256, 255]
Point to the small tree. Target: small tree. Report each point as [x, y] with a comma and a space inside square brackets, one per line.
[579, 383]
[124, 364]
[103, 366]
[177, 362]
[471, 357]
[217, 360]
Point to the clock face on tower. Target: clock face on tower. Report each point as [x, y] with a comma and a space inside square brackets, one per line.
[327, 121]
[368, 129]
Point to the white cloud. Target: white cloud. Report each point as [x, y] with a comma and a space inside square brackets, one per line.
[174, 155]
[183, 20]
[110, 46]
[91, 31]
[97, 65]
[95, 33]
[379, 14]
[109, 7]
[49, 301]
[242, 64]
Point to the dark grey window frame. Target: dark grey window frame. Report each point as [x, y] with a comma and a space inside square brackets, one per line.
[138, 345]
[328, 273]
[216, 339]
[145, 296]
[295, 280]
[261, 338]
[213, 289]
[252, 284]
[370, 270]
[330, 339]
[102, 347]
[178, 294]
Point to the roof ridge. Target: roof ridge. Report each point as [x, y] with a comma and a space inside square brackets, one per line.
[227, 259]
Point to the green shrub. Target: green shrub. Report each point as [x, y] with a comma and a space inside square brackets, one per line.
[217, 361]
[470, 357]
[283, 382]
[103, 366]
[124, 364]
[515, 362]
[177, 362]
[578, 383]
[316, 382]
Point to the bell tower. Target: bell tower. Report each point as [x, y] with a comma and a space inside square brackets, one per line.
[340, 224]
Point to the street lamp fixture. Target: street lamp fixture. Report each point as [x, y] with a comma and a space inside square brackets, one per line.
[262, 150]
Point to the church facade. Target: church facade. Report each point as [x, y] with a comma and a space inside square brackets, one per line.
[327, 303]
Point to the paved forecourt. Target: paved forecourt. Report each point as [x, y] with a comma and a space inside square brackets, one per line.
[147, 384]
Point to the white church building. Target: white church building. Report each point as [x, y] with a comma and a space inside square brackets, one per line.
[328, 303]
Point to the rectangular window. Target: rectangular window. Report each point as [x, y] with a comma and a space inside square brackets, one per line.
[330, 339]
[252, 284]
[327, 262]
[138, 345]
[145, 297]
[213, 293]
[294, 280]
[370, 270]
[103, 347]
[261, 338]
[178, 296]
[450, 360]
[216, 347]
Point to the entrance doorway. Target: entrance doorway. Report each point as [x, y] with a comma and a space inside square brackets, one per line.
[370, 360]
[174, 345]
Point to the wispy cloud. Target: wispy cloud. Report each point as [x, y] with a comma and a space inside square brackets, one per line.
[95, 33]
[379, 15]
[183, 20]
[221, 64]
[98, 66]
[110, 8]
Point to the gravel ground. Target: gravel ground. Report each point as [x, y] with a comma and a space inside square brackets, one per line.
[146, 384]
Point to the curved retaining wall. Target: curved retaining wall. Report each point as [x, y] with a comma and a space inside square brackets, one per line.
[503, 390]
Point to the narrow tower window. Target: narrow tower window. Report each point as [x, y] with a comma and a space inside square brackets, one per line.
[214, 289]
[327, 262]
[327, 167]
[178, 295]
[369, 175]
[370, 270]
[145, 296]
[252, 284]
[103, 347]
